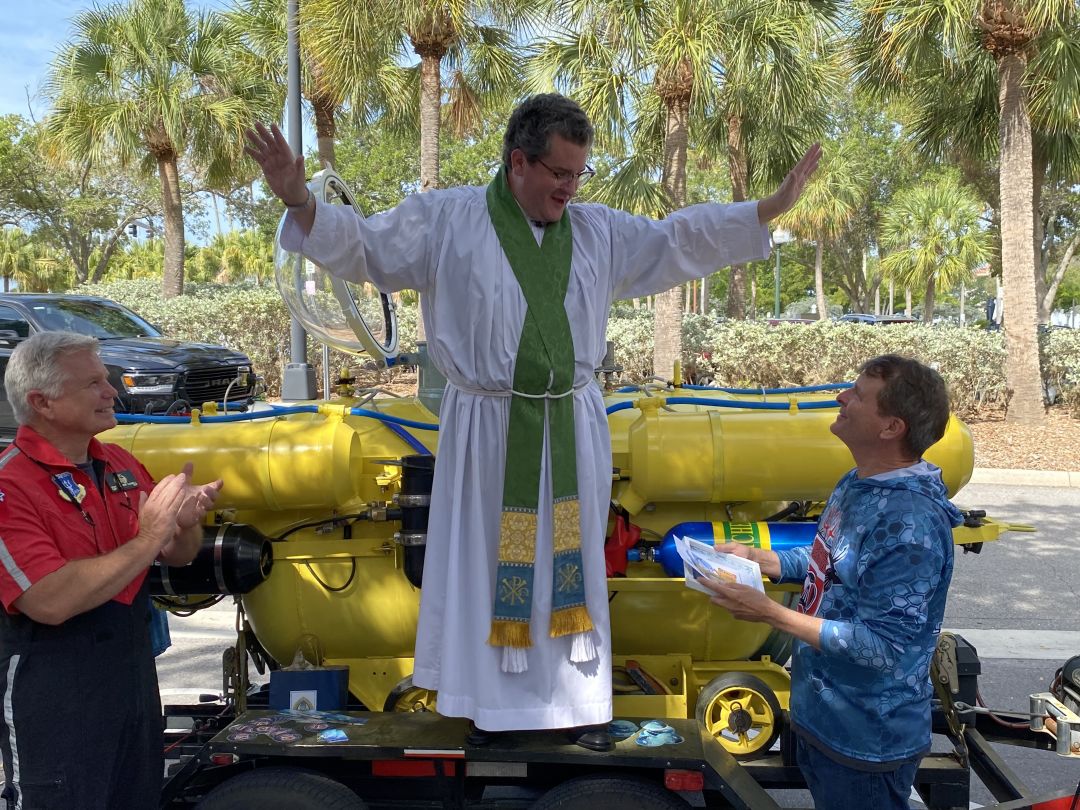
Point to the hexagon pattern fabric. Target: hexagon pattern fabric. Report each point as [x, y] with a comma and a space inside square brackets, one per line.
[877, 573]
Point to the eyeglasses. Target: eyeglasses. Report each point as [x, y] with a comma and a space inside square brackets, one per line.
[565, 178]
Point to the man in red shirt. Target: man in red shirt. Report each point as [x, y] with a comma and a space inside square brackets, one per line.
[80, 524]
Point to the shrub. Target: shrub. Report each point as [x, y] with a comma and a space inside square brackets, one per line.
[255, 321]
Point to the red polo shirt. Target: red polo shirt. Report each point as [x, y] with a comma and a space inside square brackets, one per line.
[40, 530]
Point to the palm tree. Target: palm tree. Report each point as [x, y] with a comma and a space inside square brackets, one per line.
[662, 71]
[149, 81]
[16, 255]
[827, 204]
[902, 43]
[346, 29]
[956, 118]
[33, 267]
[474, 38]
[935, 237]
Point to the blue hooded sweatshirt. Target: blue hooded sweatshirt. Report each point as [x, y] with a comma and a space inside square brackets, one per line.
[877, 573]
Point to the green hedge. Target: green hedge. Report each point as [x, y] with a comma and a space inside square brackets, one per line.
[731, 353]
[752, 353]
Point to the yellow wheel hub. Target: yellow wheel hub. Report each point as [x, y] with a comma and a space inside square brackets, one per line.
[741, 713]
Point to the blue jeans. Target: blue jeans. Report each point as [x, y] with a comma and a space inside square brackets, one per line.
[838, 787]
[160, 638]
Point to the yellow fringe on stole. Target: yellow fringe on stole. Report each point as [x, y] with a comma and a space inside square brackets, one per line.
[570, 621]
[510, 634]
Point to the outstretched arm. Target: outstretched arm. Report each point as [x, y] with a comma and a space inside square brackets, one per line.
[788, 194]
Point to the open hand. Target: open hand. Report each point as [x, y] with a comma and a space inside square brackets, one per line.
[284, 171]
[785, 197]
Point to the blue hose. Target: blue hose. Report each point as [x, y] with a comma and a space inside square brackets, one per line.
[801, 389]
[133, 418]
[409, 439]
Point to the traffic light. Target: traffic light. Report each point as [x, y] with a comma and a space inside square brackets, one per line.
[133, 229]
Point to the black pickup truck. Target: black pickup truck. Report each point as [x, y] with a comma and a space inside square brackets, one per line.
[152, 373]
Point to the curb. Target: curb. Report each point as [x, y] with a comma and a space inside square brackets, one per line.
[1027, 478]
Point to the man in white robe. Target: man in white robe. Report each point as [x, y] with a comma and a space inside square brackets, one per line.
[443, 244]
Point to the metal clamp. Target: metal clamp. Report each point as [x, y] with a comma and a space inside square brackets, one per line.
[410, 538]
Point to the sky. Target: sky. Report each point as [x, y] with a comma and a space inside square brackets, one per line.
[32, 33]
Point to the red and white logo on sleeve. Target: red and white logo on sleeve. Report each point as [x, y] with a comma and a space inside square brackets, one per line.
[819, 574]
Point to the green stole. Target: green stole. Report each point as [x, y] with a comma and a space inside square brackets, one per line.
[543, 388]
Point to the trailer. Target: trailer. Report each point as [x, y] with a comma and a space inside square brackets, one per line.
[319, 537]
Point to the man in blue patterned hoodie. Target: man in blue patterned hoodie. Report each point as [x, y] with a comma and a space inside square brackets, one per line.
[873, 599]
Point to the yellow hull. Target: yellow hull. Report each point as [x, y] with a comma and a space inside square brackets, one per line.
[347, 600]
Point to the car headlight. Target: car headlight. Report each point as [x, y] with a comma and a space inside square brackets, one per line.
[149, 383]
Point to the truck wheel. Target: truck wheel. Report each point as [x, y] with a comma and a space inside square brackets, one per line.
[408, 698]
[609, 793]
[281, 789]
[741, 713]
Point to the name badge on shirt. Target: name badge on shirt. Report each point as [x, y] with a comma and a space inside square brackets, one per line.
[68, 489]
[121, 481]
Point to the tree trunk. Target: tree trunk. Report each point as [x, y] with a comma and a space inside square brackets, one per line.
[172, 209]
[739, 169]
[819, 281]
[928, 301]
[325, 130]
[1042, 249]
[1022, 373]
[892, 297]
[704, 306]
[667, 315]
[907, 301]
[430, 105]
[963, 303]
[430, 111]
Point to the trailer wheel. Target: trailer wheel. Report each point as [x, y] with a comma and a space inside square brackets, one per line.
[609, 793]
[741, 713]
[281, 789]
[408, 698]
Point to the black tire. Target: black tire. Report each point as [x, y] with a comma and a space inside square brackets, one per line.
[756, 711]
[609, 793]
[281, 789]
[408, 698]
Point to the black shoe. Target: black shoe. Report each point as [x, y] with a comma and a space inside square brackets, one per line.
[477, 736]
[594, 738]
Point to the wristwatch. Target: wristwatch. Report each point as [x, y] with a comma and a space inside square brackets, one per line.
[308, 202]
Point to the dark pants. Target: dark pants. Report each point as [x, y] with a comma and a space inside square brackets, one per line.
[81, 721]
[838, 787]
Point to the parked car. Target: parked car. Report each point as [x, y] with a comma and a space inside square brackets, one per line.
[151, 373]
[877, 320]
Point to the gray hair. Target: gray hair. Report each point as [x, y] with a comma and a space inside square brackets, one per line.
[33, 367]
[912, 392]
[539, 117]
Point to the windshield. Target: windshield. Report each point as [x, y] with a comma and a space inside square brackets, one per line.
[93, 318]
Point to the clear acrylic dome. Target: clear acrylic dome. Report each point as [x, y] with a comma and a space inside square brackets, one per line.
[354, 318]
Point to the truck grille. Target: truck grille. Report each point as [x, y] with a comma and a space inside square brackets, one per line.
[209, 385]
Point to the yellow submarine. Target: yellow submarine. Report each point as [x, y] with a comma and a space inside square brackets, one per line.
[320, 526]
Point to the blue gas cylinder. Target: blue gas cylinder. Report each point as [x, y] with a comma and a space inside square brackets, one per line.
[774, 536]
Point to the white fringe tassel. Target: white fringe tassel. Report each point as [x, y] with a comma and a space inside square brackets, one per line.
[583, 648]
[514, 659]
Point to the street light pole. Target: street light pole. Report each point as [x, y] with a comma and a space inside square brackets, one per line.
[298, 382]
[779, 237]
